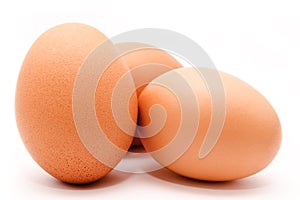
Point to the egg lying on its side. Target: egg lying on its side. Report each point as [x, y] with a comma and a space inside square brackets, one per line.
[250, 133]
[146, 63]
[44, 104]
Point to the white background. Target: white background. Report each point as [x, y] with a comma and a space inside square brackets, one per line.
[257, 41]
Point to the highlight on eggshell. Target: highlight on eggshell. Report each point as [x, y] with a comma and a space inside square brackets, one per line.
[81, 99]
[249, 139]
[50, 117]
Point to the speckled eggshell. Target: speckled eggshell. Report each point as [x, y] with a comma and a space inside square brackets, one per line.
[43, 104]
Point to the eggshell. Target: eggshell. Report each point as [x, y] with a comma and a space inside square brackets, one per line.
[146, 63]
[43, 104]
[249, 140]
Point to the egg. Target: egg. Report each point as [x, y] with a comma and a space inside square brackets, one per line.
[250, 131]
[44, 105]
[146, 62]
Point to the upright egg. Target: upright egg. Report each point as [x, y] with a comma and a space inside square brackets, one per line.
[44, 105]
[249, 136]
[146, 62]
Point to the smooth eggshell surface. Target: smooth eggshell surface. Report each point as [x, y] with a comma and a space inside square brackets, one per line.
[249, 139]
[146, 63]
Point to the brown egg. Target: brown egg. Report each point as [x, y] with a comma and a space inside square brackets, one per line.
[45, 104]
[146, 63]
[249, 137]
